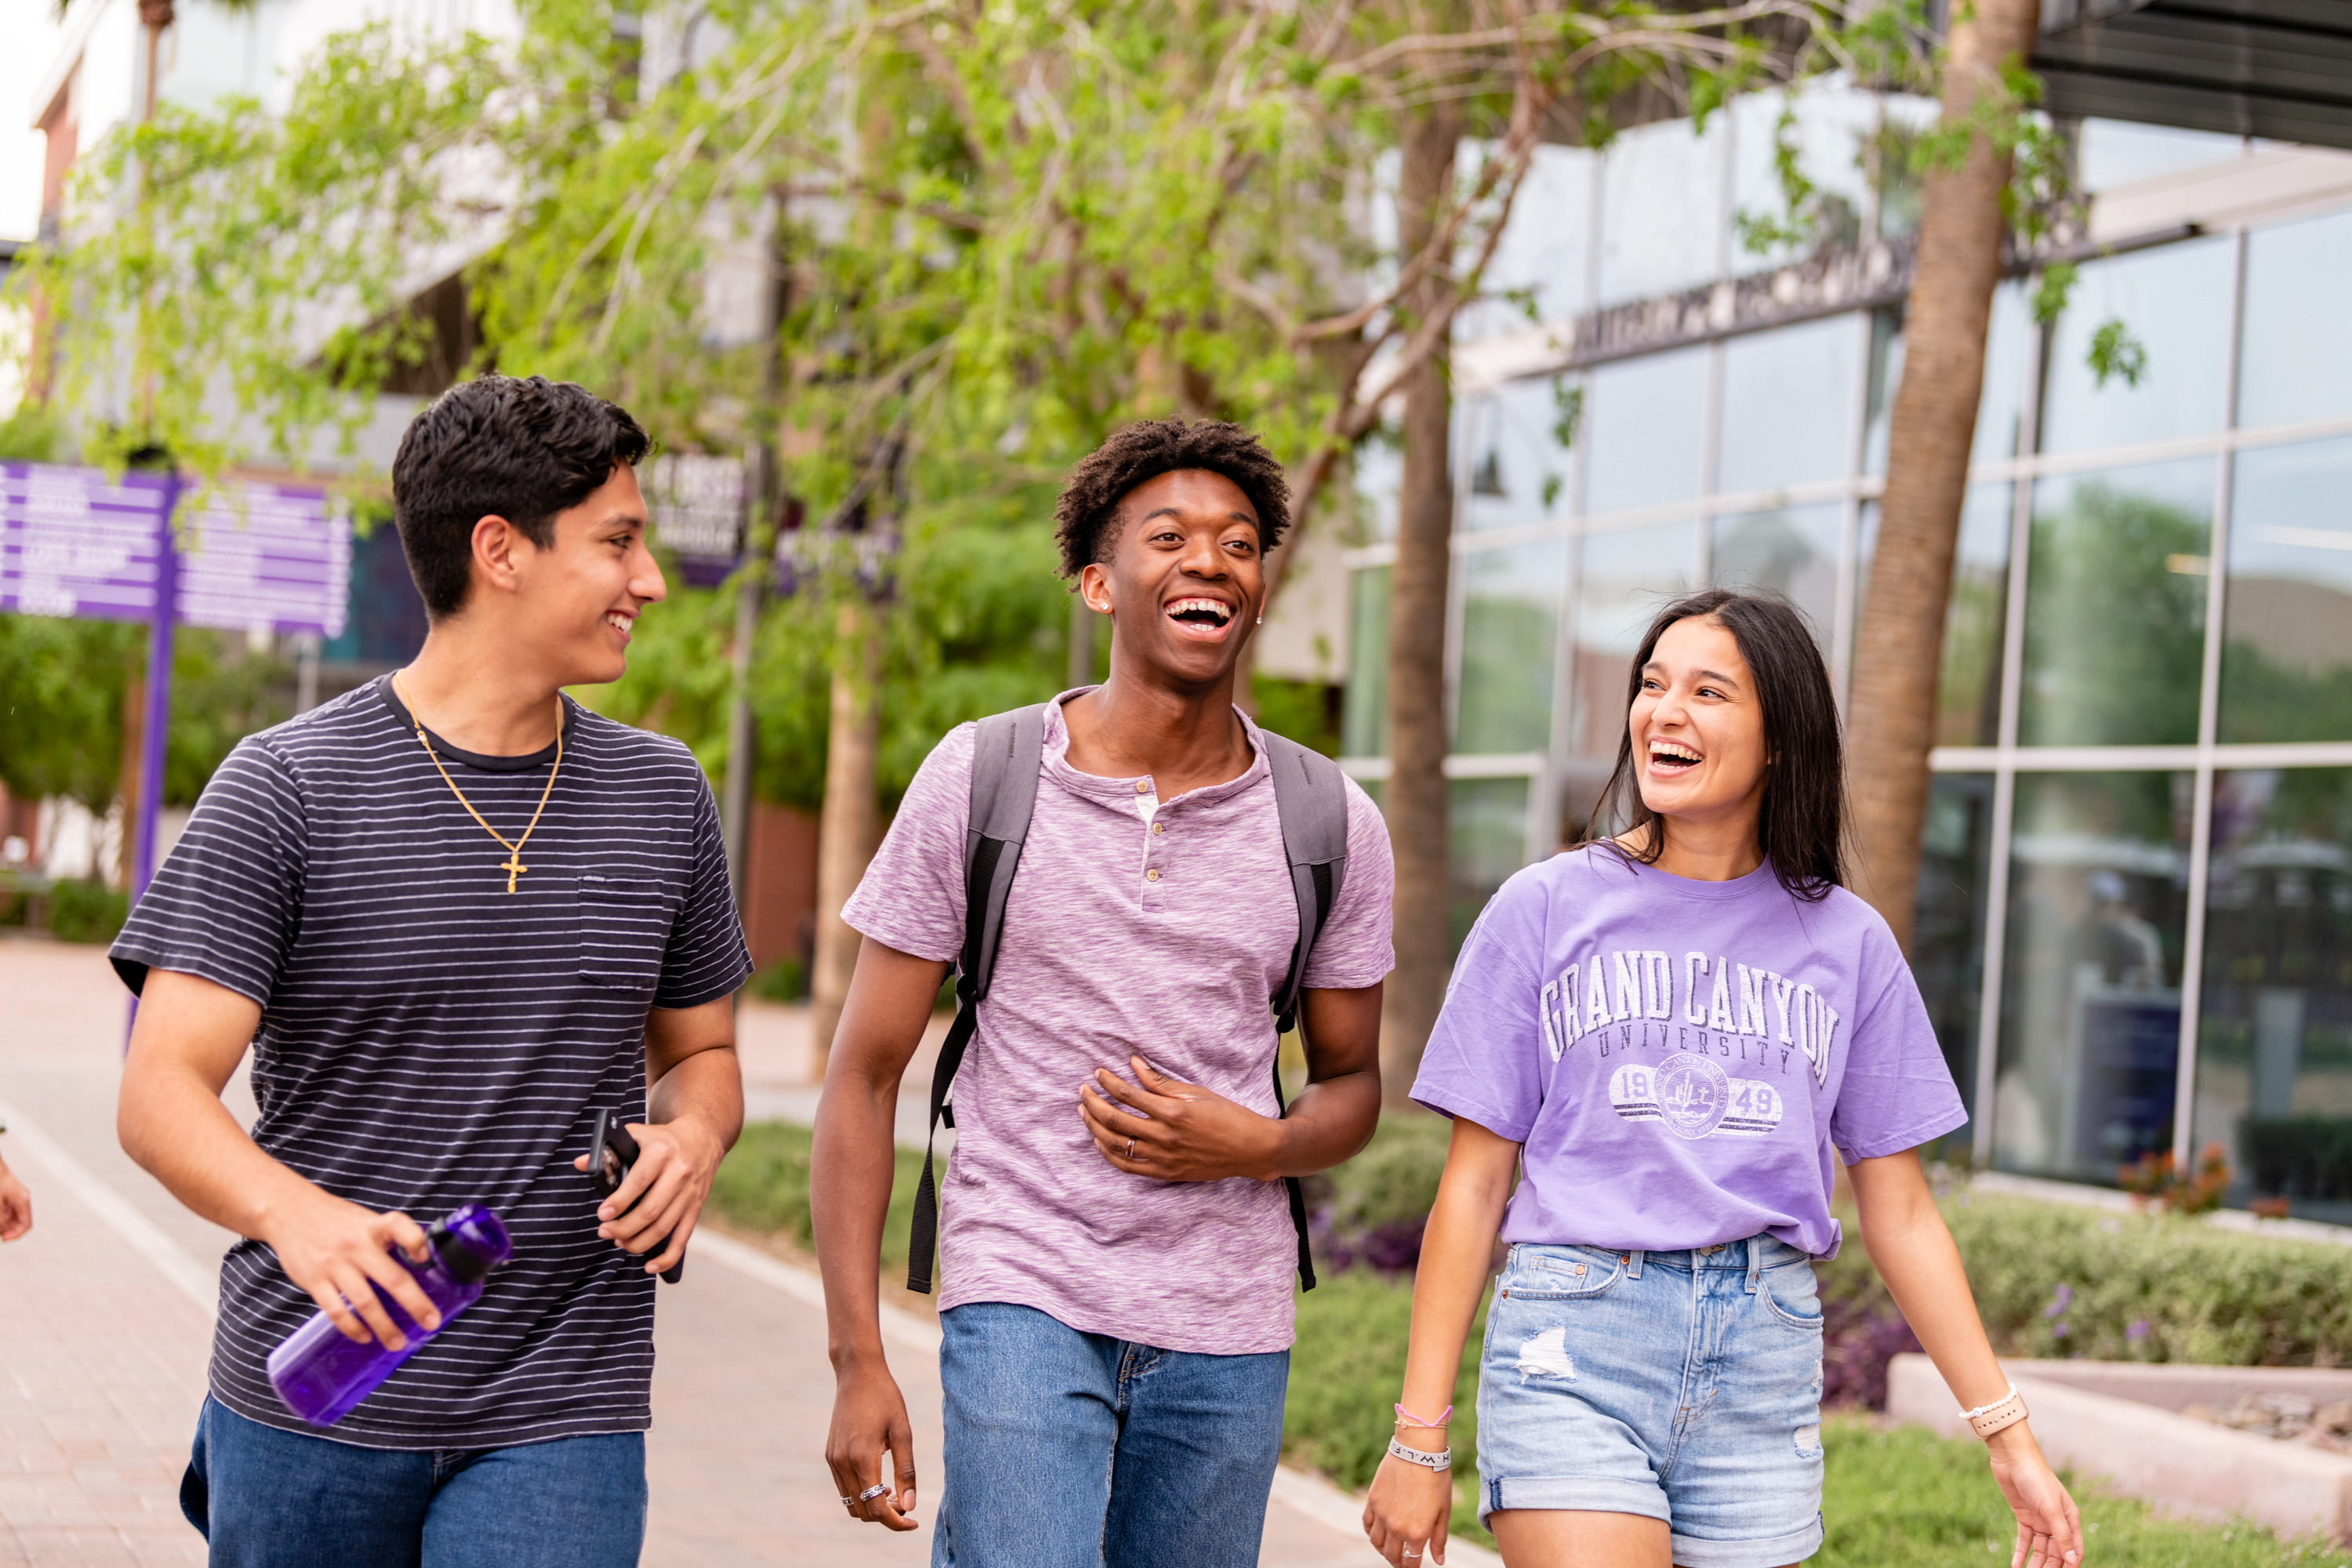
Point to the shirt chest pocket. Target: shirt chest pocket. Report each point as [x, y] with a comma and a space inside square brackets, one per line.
[624, 924]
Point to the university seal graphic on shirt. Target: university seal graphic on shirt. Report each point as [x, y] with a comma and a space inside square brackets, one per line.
[1722, 1026]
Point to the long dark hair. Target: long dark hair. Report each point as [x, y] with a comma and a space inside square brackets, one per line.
[1802, 827]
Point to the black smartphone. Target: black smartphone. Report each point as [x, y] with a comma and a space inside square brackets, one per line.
[611, 1152]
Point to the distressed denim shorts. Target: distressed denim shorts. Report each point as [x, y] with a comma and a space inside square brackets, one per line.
[1683, 1385]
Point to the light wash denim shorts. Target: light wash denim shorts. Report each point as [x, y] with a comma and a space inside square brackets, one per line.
[1683, 1385]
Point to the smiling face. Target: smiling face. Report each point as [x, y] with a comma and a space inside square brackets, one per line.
[1698, 726]
[1185, 581]
[576, 600]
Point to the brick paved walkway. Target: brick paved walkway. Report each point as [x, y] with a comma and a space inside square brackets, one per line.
[105, 1330]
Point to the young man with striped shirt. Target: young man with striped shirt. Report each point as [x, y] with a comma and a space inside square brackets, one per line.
[455, 915]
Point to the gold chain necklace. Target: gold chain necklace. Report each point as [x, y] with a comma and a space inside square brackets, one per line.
[512, 865]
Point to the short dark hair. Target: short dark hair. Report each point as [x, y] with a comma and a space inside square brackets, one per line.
[1088, 514]
[1802, 827]
[523, 449]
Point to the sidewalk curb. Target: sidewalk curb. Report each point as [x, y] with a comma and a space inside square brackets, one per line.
[1309, 1494]
[146, 1237]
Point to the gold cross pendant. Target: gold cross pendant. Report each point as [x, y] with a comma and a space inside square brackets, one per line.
[513, 867]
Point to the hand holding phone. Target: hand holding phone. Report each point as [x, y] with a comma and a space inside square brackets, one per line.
[611, 1152]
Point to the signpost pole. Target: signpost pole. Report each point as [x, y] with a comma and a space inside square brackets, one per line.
[155, 726]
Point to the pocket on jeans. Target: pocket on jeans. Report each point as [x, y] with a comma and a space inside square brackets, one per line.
[1561, 1273]
[1793, 1295]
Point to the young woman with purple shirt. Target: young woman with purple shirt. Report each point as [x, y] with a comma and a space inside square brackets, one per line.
[1651, 1048]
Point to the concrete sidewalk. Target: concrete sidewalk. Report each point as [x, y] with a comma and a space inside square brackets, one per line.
[106, 1315]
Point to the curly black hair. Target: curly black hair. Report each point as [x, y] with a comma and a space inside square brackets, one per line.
[1087, 517]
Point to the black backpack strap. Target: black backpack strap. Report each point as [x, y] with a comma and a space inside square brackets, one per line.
[1006, 760]
[1310, 796]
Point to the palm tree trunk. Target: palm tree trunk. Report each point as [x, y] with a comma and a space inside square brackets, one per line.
[850, 828]
[1899, 644]
[1416, 793]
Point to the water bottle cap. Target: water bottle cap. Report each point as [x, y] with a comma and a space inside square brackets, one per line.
[471, 1242]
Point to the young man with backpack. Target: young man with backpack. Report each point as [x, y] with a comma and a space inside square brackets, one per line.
[1136, 885]
[458, 919]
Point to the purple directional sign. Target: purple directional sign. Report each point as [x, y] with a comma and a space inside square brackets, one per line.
[75, 543]
[267, 558]
[253, 557]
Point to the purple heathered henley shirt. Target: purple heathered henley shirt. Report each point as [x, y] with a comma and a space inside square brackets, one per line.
[1166, 940]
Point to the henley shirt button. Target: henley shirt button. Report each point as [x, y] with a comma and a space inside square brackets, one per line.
[1143, 786]
[1158, 828]
[1152, 875]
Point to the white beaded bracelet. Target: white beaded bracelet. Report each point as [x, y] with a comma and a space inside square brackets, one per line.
[1441, 1460]
[1991, 1405]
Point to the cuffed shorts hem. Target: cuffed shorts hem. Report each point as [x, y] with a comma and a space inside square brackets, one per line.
[1769, 1552]
[1586, 1494]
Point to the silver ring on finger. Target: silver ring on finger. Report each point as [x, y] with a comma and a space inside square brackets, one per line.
[875, 1490]
[1130, 1149]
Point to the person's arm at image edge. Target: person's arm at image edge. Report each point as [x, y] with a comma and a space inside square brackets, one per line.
[1913, 1251]
[851, 1166]
[1409, 1505]
[190, 1035]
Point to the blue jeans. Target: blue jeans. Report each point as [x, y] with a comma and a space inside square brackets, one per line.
[1683, 1385]
[1075, 1450]
[268, 1499]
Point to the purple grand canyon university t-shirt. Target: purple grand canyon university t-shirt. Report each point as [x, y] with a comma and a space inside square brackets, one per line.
[1677, 1058]
[1134, 926]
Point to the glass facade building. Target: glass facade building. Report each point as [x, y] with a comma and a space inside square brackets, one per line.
[2135, 916]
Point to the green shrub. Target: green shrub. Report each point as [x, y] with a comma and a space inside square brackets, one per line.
[763, 1184]
[1908, 1498]
[786, 980]
[1346, 1371]
[2053, 1279]
[86, 912]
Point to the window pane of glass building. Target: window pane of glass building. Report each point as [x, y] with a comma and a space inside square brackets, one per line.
[2287, 654]
[1788, 406]
[1510, 624]
[1645, 420]
[2001, 405]
[1518, 469]
[2115, 606]
[2090, 1028]
[1622, 580]
[2274, 1038]
[1792, 551]
[2296, 360]
[1832, 122]
[2111, 152]
[1968, 701]
[1542, 250]
[1948, 938]
[1379, 469]
[1364, 710]
[2174, 300]
[1662, 210]
[1486, 840]
[2011, 344]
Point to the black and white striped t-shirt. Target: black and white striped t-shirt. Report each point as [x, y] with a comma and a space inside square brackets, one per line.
[429, 1040]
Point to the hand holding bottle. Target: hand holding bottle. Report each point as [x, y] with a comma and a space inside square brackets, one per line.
[340, 1256]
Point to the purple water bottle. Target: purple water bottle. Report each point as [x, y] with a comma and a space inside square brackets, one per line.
[320, 1374]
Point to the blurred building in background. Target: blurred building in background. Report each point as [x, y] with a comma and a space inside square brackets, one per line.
[2136, 911]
